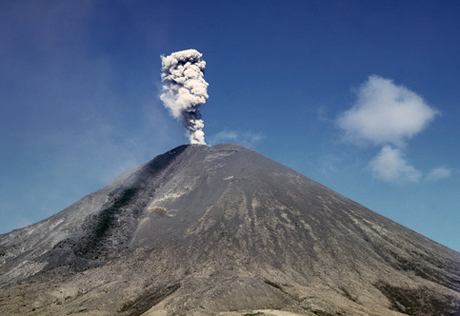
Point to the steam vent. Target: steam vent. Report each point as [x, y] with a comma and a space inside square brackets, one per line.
[223, 230]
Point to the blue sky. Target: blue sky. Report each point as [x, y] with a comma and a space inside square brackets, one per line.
[361, 96]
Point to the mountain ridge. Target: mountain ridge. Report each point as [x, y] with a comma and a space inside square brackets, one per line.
[211, 230]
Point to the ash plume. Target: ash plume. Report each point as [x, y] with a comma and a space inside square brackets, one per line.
[185, 90]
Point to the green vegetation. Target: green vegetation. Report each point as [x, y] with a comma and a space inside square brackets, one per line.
[147, 300]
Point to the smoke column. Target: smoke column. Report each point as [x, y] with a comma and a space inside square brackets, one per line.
[185, 90]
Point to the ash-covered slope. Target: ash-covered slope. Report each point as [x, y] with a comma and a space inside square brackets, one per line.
[223, 230]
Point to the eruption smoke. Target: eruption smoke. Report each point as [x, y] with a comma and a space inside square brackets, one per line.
[185, 90]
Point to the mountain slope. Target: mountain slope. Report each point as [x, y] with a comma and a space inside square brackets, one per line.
[208, 230]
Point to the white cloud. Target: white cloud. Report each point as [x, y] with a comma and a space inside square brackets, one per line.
[329, 164]
[388, 115]
[389, 165]
[247, 139]
[439, 174]
[385, 113]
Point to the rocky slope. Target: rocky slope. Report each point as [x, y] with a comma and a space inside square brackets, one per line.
[223, 230]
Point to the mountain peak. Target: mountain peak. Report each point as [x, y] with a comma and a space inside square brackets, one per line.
[213, 230]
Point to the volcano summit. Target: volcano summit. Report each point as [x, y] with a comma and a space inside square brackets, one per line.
[223, 230]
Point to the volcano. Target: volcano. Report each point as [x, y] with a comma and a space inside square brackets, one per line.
[223, 230]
